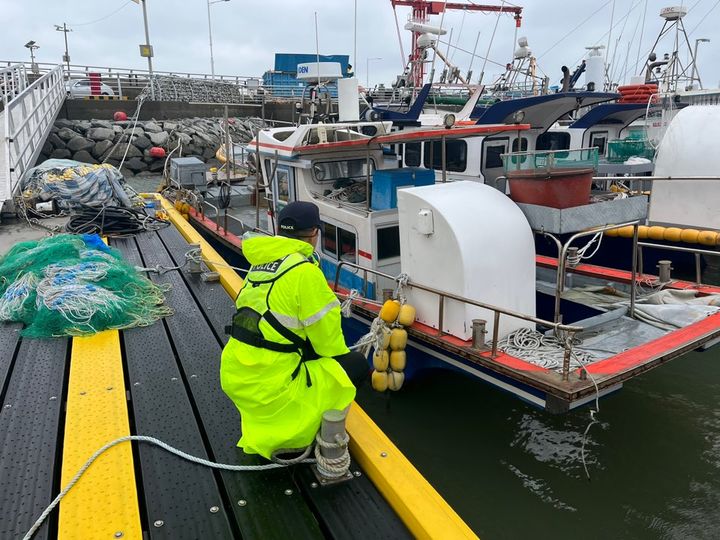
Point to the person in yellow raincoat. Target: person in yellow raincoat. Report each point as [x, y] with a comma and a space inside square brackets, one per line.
[286, 361]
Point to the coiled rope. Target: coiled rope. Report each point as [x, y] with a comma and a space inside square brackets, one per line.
[333, 467]
[156, 442]
[574, 260]
[541, 350]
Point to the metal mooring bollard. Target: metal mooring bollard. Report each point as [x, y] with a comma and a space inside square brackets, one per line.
[664, 268]
[333, 423]
[478, 333]
[332, 430]
[195, 266]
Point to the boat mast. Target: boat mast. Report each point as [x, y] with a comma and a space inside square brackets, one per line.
[422, 9]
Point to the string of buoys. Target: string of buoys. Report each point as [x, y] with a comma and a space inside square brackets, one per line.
[638, 93]
[390, 360]
[183, 208]
[669, 234]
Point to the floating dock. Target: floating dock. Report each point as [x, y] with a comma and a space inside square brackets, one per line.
[62, 399]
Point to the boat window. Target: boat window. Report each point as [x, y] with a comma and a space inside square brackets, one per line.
[493, 152]
[553, 140]
[455, 155]
[282, 135]
[412, 155]
[283, 182]
[523, 146]
[599, 139]
[352, 169]
[388, 242]
[346, 241]
[339, 243]
[329, 239]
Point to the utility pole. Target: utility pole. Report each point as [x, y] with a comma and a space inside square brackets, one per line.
[212, 59]
[146, 49]
[66, 57]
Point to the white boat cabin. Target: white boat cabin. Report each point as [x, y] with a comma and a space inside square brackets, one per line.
[349, 171]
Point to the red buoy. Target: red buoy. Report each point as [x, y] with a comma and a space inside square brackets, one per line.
[119, 116]
[157, 152]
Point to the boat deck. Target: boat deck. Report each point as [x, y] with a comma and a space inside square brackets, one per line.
[61, 399]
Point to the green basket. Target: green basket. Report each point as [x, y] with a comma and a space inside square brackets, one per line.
[621, 150]
[581, 158]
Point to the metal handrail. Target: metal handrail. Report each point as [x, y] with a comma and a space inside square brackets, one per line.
[695, 251]
[28, 117]
[497, 311]
[13, 80]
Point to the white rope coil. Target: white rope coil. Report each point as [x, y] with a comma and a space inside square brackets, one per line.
[544, 351]
[333, 467]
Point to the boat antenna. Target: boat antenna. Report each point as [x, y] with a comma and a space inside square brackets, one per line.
[492, 38]
[355, 38]
[317, 49]
[642, 32]
[472, 57]
[607, 48]
[403, 63]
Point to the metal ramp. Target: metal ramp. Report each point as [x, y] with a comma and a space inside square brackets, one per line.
[28, 113]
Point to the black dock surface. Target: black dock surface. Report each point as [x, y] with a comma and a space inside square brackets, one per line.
[170, 372]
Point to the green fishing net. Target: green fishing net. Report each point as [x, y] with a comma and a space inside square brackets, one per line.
[74, 285]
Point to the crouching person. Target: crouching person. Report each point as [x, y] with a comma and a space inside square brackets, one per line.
[287, 362]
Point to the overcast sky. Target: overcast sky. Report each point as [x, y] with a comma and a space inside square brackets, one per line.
[247, 34]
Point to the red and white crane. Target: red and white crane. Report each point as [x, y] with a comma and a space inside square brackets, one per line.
[422, 9]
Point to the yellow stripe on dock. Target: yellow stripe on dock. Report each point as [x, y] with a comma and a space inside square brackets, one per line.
[229, 279]
[104, 502]
[420, 507]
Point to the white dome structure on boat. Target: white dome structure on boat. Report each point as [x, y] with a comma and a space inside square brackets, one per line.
[471, 240]
[689, 148]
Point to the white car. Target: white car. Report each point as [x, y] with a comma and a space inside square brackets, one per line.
[81, 88]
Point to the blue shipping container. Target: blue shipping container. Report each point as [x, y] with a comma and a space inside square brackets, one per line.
[387, 181]
[287, 62]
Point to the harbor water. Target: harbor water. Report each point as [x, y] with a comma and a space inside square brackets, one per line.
[513, 471]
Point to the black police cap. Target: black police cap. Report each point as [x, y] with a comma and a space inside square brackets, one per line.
[299, 216]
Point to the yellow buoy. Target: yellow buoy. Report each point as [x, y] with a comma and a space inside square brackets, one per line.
[386, 337]
[398, 339]
[672, 234]
[395, 380]
[708, 238]
[390, 310]
[380, 360]
[625, 232]
[656, 232]
[643, 232]
[398, 360]
[407, 315]
[379, 380]
[689, 235]
[611, 232]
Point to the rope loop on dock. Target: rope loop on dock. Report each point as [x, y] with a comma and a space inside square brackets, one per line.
[157, 442]
[333, 467]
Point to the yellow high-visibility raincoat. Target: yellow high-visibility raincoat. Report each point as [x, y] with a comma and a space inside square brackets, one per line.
[281, 399]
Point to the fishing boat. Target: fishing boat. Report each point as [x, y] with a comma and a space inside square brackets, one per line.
[555, 331]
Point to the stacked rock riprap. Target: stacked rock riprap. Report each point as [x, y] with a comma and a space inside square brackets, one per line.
[106, 141]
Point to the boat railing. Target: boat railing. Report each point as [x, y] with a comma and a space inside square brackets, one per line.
[697, 252]
[564, 332]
